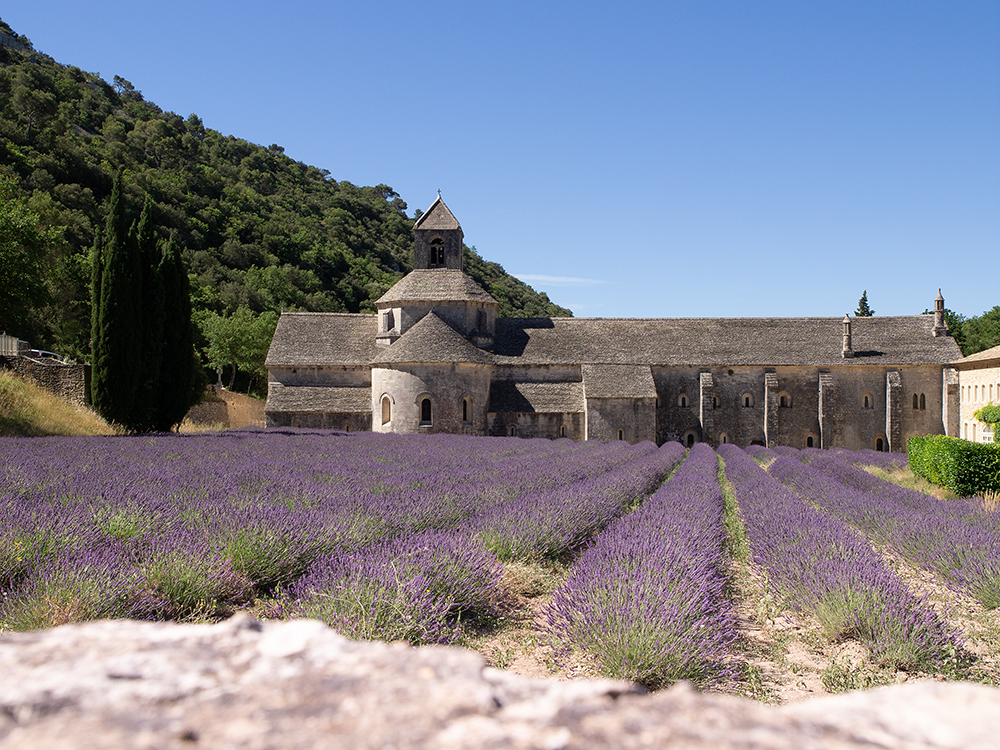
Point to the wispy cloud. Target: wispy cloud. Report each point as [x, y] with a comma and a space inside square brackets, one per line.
[557, 280]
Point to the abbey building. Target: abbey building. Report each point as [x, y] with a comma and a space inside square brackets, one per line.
[438, 358]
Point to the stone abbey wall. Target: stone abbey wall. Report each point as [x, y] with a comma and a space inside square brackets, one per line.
[850, 407]
[447, 386]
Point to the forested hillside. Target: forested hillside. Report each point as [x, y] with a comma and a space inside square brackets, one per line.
[260, 231]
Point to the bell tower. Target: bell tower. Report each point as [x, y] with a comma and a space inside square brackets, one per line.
[437, 238]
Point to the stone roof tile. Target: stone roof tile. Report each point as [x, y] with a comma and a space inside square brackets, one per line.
[430, 340]
[438, 216]
[542, 398]
[618, 381]
[435, 285]
[317, 339]
[322, 399]
[717, 342]
[984, 356]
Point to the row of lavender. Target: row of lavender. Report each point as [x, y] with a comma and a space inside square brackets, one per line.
[400, 537]
[417, 587]
[819, 565]
[171, 526]
[956, 539]
[648, 599]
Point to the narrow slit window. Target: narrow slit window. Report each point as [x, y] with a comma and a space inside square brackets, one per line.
[923, 402]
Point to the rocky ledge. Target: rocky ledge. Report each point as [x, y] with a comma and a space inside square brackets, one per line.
[250, 684]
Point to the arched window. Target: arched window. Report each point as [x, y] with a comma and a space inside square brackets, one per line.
[748, 400]
[880, 444]
[562, 430]
[425, 411]
[915, 402]
[715, 402]
[682, 401]
[386, 410]
[347, 427]
[724, 438]
[868, 401]
[437, 252]
[621, 434]
[690, 438]
[809, 442]
[923, 401]
[467, 409]
[785, 400]
[512, 430]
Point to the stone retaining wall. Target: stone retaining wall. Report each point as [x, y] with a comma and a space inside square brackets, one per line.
[71, 382]
[227, 409]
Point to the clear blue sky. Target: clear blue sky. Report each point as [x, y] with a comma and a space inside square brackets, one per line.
[701, 158]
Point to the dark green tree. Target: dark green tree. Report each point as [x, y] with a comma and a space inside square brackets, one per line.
[981, 332]
[22, 248]
[115, 358]
[863, 310]
[149, 322]
[179, 384]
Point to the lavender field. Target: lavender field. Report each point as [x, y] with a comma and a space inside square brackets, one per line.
[646, 563]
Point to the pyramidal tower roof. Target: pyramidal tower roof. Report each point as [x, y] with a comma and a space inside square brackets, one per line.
[431, 341]
[438, 216]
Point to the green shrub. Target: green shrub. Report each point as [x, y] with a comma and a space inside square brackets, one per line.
[963, 467]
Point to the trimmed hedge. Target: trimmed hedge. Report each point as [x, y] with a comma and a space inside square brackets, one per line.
[963, 467]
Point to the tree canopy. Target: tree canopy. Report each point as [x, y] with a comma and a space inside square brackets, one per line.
[255, 228]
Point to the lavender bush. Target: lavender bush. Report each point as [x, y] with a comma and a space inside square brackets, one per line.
[213, 522]
[74, 586]
[819, 565]
[954, 538]
[549, 524]
[647, 599]
[411, 588]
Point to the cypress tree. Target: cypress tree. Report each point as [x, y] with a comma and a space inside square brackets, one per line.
[115, 360]
[864, 311]
[178, 369]
[96, 269]
[149, 322]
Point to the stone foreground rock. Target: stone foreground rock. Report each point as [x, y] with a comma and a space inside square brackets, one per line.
[298, 684]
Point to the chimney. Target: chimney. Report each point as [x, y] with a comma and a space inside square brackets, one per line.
[847, 352]
[940, 327]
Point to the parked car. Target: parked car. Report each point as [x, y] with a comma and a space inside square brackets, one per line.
[42, 354]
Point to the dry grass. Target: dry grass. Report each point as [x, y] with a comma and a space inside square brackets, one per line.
[187, 426]
[515, 638]
[990, 501]
[906, 478]
[27, 410]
